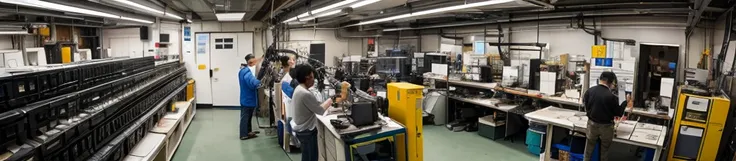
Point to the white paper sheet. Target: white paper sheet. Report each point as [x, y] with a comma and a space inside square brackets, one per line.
[439, 69]
[666, 87]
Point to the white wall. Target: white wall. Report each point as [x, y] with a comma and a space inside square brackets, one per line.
[562, 39]
[430, 43]
[127, 41]
[334, 46]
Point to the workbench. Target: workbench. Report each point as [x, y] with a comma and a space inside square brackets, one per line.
[511, 126]
[627, 132]
[577, 103]
[335, 146]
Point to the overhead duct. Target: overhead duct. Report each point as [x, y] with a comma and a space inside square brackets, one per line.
[249, 7]
[203, 8]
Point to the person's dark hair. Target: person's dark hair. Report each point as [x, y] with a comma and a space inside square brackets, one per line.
[284, 61]
[608, 77]
[248, 57]
[302, 71]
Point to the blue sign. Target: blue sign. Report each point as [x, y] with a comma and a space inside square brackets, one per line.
[187, 33]
[605, 62]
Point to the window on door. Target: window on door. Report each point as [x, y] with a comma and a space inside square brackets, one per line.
[224, 43]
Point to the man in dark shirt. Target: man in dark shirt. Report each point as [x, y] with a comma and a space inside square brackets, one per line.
[602, 107]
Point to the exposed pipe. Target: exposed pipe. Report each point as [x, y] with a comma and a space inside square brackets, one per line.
[694, 19]
[620, 5]
[721, 56]
[565, 15]
[541, 3]
[339, 35]
[504, 56]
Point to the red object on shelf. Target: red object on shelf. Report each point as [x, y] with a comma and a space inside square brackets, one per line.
[158, 45]
[371, 41]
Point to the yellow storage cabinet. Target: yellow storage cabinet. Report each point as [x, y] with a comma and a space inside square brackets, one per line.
[405, 106]
[698, 127]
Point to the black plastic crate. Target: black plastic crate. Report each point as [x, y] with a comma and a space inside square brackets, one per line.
[68, 106]
[50, 145]
[13, 128]
[41, 117]
[91, 97]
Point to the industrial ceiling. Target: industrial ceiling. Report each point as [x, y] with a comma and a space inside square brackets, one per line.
[378, 14]
[396, 12]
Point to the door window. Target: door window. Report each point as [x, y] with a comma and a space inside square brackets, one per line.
[224, 43]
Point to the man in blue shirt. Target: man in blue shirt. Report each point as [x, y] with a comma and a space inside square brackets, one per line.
[248, 97]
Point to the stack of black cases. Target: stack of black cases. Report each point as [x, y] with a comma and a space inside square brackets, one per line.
[75, 111]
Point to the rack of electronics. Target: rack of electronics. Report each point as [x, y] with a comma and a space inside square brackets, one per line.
[85, 111]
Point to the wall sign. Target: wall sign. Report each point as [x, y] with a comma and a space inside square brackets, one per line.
[598, 51]
[187, 33]
[202, 40]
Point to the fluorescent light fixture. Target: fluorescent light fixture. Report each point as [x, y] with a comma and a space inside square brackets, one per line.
[363, 3]
[291, 19]
[189, 21]
[64, 8]
[59, 7]
[13, 32]
[338, 4]
[304, 16]
[320, 15]
[230, 16]
[136, 5]
[396, 29]
[174, 16]
[437, 10]
[135, 19]
[149, 9]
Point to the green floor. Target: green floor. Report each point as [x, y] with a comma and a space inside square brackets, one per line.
[213, 135]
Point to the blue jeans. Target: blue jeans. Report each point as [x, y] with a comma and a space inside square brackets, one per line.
[308, 139]
[246, 115]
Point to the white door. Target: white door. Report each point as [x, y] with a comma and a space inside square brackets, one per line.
[202, 73]
[228, 51]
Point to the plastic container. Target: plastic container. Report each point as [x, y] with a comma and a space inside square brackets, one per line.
[534, 141]
[534, 138]
[534, 149]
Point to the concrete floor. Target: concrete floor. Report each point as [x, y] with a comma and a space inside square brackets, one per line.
[213, 135]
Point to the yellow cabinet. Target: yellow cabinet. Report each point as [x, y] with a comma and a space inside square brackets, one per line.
[405, 106]
[698, 127]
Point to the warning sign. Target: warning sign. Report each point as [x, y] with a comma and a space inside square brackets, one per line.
[598, 51]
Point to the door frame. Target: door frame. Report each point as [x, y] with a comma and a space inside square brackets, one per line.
[209, 54]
